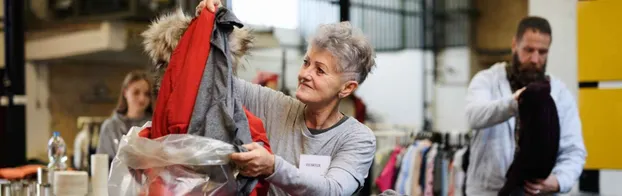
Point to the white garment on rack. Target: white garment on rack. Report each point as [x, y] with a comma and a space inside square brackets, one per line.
[402, 178]
[459, 173]
[409, 177]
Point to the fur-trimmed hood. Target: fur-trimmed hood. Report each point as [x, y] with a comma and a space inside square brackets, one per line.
[164, 33]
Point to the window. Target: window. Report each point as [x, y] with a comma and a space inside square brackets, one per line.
[272, 13]
[397, 24]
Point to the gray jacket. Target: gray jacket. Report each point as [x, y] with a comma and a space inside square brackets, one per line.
[491, 109]
[217, 112]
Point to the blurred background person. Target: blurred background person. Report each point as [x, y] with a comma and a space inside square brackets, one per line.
[134, 108]
[492, 110]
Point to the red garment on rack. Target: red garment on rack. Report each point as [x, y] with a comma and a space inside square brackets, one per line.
[386, 178]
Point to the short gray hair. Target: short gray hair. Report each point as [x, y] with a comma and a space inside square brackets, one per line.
[348, 44]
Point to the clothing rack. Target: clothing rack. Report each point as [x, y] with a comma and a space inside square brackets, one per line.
[391, 135]
[440, 160]
[445, 139]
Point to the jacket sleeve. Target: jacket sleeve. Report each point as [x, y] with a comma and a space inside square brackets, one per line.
[263, 102]
[572, 153]
[345, 176]
[482, 110]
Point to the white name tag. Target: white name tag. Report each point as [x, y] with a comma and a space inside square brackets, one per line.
[314, 164]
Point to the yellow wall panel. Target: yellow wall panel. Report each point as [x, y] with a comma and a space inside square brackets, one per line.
[601, 115]
[599, 40]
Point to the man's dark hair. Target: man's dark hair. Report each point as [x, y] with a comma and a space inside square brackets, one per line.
[533, 23]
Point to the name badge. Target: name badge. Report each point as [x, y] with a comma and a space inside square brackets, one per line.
[314, 164]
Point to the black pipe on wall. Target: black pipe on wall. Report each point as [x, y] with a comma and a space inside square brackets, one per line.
[344, 10]
[13, 133]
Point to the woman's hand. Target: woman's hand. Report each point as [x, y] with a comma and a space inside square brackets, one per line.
[210, 4]
[256, 162]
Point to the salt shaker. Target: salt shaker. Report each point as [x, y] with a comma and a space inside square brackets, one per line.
[5, 188]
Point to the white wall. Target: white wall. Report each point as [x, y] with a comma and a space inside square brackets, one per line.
[394, 90]
[450, 90]
[562, 15]
[450, 106]
[254, 12]
[37, 111]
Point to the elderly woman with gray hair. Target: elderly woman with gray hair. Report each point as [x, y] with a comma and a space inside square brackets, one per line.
[317, 149]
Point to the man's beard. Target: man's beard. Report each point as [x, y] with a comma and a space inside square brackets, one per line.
[520, 78]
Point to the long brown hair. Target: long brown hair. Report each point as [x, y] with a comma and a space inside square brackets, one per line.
[130, 78]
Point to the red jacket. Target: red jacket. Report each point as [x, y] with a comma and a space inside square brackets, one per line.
[179, 88]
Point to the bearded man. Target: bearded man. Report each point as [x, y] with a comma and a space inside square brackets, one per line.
[492, 108]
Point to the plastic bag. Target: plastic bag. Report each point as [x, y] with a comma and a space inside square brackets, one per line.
[176, 164]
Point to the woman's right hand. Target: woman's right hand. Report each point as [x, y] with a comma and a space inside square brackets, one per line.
[210, 4]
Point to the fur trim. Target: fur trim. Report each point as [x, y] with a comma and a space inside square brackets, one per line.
[240, 41]
[163, 35]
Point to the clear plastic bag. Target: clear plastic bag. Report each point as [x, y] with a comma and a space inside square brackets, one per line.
[176, 164]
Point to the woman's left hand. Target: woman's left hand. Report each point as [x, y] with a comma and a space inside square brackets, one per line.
[211, 5]
[256, 162]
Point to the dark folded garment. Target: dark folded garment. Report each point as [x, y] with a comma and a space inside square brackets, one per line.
[538, 138]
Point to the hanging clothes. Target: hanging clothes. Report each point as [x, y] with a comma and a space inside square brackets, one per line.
[423, 168]
[451, 186]
[402, 178]
[413, 172]
[398, 166]
[445, 177]
[429, 174]
[426, 168]
[415, 188]
[386, 180]
[438, 172]
[381, 159]
[459, 172]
